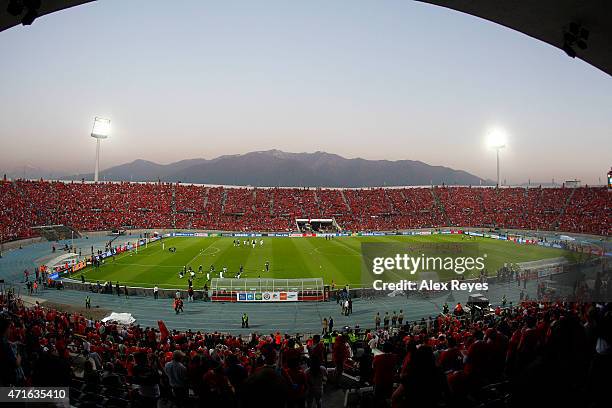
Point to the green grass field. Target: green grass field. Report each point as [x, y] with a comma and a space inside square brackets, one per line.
[338, 259]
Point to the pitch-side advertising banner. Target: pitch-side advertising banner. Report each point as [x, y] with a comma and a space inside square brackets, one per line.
[267, 296]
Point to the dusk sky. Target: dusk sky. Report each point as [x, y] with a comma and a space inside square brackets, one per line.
[388, 79]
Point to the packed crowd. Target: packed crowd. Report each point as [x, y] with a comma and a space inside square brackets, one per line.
[105, 206]
[555, 354]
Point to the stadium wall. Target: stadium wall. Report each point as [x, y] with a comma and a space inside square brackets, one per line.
[80, 181]
[168, 293]
[536, 234]
[12, 245]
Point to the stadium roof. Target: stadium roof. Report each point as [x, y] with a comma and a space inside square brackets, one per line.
[560, 23]
[581, 28]
[8, 20]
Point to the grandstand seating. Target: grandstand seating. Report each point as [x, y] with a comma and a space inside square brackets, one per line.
[504, 359]
[105, 206]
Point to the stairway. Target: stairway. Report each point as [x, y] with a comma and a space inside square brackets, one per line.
[318, 201]
[348, 206]
[440, 206]
[223, 200]
[394, 209]
[562, 211]
[205, 200]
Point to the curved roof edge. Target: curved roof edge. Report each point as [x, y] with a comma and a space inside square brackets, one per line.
[580, 28]
[8, 19]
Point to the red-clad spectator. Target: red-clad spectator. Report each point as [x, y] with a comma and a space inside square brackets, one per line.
[106, 206]
[384, 369]
[340, 354]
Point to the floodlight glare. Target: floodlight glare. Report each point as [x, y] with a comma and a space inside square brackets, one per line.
[496, 139]
[101, 130]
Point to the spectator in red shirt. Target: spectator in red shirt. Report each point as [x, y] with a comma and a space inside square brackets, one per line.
[317, 350]
[451, 359]
[384, 371]
[339, 354]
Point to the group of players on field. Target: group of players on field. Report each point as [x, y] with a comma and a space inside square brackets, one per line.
[223, 272]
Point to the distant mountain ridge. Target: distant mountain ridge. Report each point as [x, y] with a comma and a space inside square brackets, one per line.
[277, 168]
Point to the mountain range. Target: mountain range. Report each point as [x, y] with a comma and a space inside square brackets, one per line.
[278, 168]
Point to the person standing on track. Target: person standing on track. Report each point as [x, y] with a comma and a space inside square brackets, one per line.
[175, 305]
[155, 292]
[190, 294]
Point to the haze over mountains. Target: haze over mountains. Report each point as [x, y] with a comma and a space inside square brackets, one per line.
[278, 168]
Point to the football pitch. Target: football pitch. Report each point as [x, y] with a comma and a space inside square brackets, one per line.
[338, 259]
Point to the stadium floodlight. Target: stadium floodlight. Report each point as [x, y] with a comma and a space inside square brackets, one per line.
[101, 130]
[496, 139]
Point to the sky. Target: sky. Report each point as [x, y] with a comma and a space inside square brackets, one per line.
[385, 79]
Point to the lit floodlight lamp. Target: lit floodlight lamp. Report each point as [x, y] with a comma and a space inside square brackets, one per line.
[100, 130]
[496, 139]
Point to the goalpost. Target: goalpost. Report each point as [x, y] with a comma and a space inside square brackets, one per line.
[267, 290]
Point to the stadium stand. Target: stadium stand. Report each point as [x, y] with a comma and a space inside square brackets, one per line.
[106, 206]
[505, 358]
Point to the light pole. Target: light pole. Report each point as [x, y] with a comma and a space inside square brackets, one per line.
[101, 130]
[496, 139]
[497, 149]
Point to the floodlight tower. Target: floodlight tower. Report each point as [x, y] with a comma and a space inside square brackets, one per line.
[101, 130]
[497, 141]
[497, 149]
